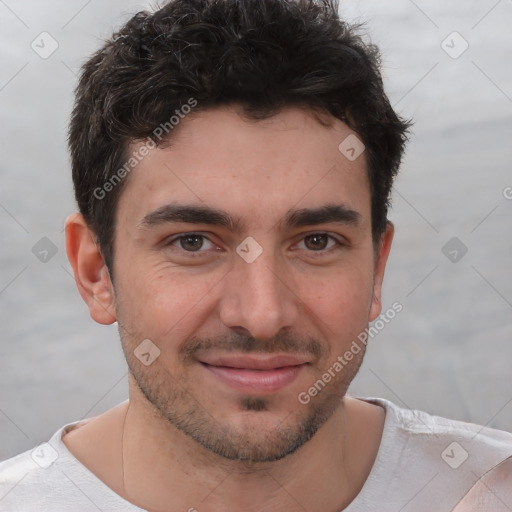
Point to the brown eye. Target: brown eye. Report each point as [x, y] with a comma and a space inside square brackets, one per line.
[191, 242]
[316, 242]
[320, 243]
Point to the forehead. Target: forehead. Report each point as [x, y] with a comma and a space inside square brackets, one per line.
[220, 158]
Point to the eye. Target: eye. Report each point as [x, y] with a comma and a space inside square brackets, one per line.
[319, 242]
[191, 242]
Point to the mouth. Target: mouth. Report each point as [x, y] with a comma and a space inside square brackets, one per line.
[255, 375]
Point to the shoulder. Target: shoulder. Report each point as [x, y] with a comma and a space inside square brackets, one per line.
[455, 460]
[28, 479]
[429, 431]
[49, 477]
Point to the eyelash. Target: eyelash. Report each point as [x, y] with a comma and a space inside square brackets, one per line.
[339, 244]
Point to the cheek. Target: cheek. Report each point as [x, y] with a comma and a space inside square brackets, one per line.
[161, 303]
[341, 301]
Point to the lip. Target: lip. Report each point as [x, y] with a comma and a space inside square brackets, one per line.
[255, 375]
[254, 362]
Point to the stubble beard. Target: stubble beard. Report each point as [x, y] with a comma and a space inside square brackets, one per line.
[256, 439]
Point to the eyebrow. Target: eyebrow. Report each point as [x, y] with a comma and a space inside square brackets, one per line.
[198, 214]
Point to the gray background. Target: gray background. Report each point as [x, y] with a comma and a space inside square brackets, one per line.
[448, 352]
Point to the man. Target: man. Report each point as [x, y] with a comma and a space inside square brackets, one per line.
[232, 163]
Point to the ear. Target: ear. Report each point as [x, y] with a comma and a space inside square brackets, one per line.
[380, 266]
[91, 274]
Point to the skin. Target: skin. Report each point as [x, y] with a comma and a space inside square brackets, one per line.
[187, 437]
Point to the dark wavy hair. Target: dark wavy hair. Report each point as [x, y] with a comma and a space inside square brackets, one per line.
[260, 54]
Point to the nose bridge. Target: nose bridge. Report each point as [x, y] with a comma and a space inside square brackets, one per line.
[257, 298]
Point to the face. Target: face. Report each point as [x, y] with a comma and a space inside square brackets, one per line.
[244, 253]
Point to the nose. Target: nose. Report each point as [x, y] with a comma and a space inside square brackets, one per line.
[259, 297]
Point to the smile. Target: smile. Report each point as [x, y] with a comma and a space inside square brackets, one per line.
[254, 375]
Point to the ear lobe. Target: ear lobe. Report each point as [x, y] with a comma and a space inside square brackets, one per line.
[380, 266]
[91, 274]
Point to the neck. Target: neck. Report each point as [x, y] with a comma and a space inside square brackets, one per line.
[161, 465]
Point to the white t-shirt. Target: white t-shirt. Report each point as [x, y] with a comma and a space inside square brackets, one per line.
[424, 464]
